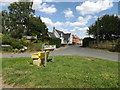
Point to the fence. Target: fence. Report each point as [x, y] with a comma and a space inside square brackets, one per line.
[103, 44]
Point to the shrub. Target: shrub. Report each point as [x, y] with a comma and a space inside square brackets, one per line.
[86, 41]
[117, 46]
[9, 49]
[55, 41]
[36, 46]
[15, 43]
[26, 42]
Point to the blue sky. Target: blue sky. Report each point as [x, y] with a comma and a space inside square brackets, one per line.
[73, 17]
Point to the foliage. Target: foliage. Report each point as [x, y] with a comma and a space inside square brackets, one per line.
[36, 46]
[8, 49]
[37, 27]
[73, 43]
[106, 27]
[25, 42]
[117, 47]
[55, 41]
[86, 41]
[20, 19]
[15, 43]
[66, 72]
[16, 20]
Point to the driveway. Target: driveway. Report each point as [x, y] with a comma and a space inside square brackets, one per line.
[74, 50]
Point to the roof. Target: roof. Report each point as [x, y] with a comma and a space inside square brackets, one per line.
[51, 34]
[66, 36]
[75, 37]
[59, 32]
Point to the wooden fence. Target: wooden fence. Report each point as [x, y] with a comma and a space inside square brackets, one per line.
[103, 44]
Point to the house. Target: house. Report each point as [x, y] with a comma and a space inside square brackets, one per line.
[66, 38]
[76, 40]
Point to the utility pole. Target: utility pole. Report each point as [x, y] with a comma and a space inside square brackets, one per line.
[97, 32]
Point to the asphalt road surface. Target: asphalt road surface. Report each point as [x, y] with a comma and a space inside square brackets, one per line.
[74, 50]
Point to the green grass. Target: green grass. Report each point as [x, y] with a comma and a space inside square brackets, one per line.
[65, 72]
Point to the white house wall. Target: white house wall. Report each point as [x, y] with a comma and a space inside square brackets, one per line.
[70, 39]
[62, 40]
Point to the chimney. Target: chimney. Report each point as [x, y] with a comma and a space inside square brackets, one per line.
[53, 29]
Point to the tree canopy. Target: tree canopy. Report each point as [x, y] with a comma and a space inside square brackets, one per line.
[19, 21]
[106, 27]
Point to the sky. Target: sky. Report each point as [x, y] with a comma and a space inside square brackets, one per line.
[70, 16]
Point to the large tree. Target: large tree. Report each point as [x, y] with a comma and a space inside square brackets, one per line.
[20, 21]
[17, 19]
[37, 27]
[105, 27]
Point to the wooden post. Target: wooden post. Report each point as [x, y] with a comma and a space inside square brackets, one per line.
[45, 58]
[53, 56]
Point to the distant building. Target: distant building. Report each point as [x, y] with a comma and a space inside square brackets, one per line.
[66, 38]
[76, 40]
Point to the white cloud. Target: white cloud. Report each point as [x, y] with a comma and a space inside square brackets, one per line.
[48, 9]
[43, 7]
[6, 2]
[58, 24]
[83, 29]
[80, 29]
[47, 21]
[95, 17]
[68, 13]
[37, 5]
[89, 7]
[73, 30]
[80, 22]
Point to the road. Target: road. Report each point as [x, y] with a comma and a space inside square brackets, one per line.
[74, 50]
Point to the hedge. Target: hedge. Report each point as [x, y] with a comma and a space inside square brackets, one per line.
[15, 43]
[86, 41]
[55, 41]
[117, 46]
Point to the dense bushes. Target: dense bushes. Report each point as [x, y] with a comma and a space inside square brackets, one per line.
[36, 46]
[15, 43]
[55, 41]
[86, 41]
[117, 46]
[19, 45]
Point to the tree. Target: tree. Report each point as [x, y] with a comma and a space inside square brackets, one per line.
[20, 20]
[37, 27]
[17, 19]
[105, 27]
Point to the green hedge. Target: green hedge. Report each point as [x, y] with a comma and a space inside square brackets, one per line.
[15, 43]
[55, 41]
[86, 41]
[117, 46]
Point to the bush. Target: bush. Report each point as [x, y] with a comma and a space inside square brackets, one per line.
[9, 49]
[86, 41]
[117, 46]
[26, 42]
[55, 41]
[36, 46]
[15, 43]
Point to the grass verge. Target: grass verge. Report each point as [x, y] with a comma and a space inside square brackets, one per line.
[65, 72]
